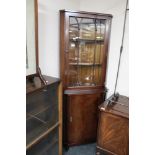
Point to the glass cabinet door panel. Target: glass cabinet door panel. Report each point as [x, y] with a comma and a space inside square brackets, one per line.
[86, 51]
[99, 51]
[73, 28]
[86, 75]
[41, 112]
[73, 53]
[87, 29]
[100, 27]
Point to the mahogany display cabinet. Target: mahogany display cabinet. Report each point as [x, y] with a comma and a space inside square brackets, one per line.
[84, 42]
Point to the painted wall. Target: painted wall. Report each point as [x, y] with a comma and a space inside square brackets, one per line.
[49, 33]
[117, 9]
[49, 37]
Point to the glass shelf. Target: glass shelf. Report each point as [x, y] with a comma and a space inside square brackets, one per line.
[47, 145]
[87, 41]
[41, 108]
[85, 64]
[86, 23]
[82, 84]
[39, 132]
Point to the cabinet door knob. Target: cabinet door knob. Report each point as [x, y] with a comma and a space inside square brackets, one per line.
[70, 119]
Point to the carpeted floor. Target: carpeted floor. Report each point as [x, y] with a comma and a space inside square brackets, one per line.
[88, 149]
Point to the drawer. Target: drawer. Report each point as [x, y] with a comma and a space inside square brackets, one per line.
[47, 146]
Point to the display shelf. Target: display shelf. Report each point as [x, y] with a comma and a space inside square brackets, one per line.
[85, 64]
[89, 41]
[37, 111]
[40, 109]
[38, 133]
[37, 118]
[47, 145]
[82, 84]
[86, 23]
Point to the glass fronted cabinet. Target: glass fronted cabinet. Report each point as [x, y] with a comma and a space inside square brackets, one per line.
[85, 57]
[43, 96]
[84, 42]
[43, 118]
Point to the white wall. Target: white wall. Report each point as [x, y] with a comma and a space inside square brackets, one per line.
[49, 33]
[49, 37]
[117, 9]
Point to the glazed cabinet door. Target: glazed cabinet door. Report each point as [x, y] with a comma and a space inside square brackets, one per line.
[85, 52]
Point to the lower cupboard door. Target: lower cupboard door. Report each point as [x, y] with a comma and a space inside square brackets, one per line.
[82, 118]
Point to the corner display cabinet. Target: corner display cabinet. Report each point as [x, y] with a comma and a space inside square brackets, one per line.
[84, 42]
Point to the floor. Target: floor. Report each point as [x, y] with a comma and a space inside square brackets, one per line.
[88, 149]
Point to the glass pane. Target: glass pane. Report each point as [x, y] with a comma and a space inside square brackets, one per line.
[41, 113]
[73, 28]
[87, 29]
[86, 48]
[73, 55]
[100, 29]
[46, 146]
[100, 53]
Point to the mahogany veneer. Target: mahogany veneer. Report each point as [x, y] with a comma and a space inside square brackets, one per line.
[113, 129]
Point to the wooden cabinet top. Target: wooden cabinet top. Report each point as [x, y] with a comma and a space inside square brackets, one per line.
[85, 12]
[34, 86]
[120, 108]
